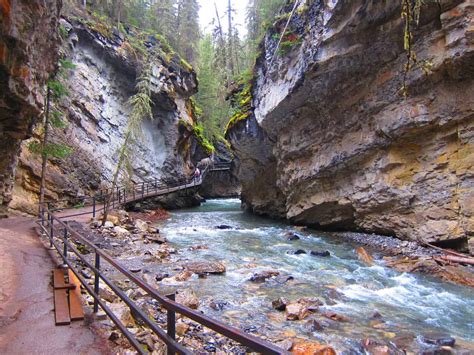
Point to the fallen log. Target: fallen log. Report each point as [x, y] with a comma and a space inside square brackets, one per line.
[447, 251]
[456, 259]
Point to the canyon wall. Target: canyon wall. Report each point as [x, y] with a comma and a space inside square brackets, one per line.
[332, 142]
[29, 42]
[223, 183]
[96, 111]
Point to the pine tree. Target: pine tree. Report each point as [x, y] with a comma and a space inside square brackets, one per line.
[187, 29]
[161, 17]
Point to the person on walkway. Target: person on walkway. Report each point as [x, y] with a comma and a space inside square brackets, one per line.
[197, 174]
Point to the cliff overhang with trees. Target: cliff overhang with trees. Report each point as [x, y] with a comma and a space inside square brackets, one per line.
[340, 145]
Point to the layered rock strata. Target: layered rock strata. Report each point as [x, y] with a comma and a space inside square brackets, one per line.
[96, 111]
[333, 143]
[29, 42]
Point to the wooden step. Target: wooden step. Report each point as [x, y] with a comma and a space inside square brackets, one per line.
[59, 281]
[61, 307]
[75, 299]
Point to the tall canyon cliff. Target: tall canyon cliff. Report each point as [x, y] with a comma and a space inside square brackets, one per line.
[331, 142]
[29, 43]
[107, 63]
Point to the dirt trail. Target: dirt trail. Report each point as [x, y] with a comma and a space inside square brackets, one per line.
[26, 299]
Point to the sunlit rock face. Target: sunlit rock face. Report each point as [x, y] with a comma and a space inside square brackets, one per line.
[97, 109]
[345, 150]
[28, 52]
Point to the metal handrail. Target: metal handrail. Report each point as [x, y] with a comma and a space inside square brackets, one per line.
[55, 228]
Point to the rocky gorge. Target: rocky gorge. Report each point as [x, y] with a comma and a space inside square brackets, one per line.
[330, 140]
[106, 65]
[365, 168]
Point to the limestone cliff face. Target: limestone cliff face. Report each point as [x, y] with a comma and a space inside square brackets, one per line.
[334, 144]
[29, 43]
[96, 111]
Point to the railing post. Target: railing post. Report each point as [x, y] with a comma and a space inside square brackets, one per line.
[65, 242]
[93, 206]
[51, 229]
[42, 214]
[96, 281]
[171, 323]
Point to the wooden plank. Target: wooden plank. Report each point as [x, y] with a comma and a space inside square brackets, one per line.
[58, 279]
[61, 307]
[75, 299]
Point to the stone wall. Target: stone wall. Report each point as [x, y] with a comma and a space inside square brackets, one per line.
[345, 149]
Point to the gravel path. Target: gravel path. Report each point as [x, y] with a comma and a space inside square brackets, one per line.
[26, 299]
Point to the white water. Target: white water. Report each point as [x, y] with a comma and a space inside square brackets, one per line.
[411, 305]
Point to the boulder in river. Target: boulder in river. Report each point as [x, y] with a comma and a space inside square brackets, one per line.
[335, 316]
[281, 279]
[310, 348]
[296, 311]
[438, 339]
[291, 236]
[188, 298]
[379, 348]
[324, 253]
[280, 304]
[365, 256]
[183, 276]
[218, 305]
[262, 276]
[156, 238]
[296, 252]
[223, 226]
[205, 267]
[311, 302]
[314, 326]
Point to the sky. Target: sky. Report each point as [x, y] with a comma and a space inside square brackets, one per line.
[207, 13]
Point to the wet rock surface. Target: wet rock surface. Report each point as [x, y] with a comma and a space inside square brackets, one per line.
[287, 322]
[263, 276]
[332, 143]
[29, 43]
[96, 112]
[205, 267]
[128, 249]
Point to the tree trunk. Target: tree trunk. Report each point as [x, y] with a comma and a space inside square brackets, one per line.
[230, 35]
[44, 153]
[222, 45]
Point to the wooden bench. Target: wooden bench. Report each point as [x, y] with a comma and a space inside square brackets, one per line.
[67, 297]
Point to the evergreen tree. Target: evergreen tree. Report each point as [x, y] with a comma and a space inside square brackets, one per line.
[187, 29]
[161, 17]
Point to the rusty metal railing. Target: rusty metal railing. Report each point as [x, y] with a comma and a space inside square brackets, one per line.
[64, 239]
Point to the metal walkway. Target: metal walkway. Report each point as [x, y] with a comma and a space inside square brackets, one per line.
[66, 241]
